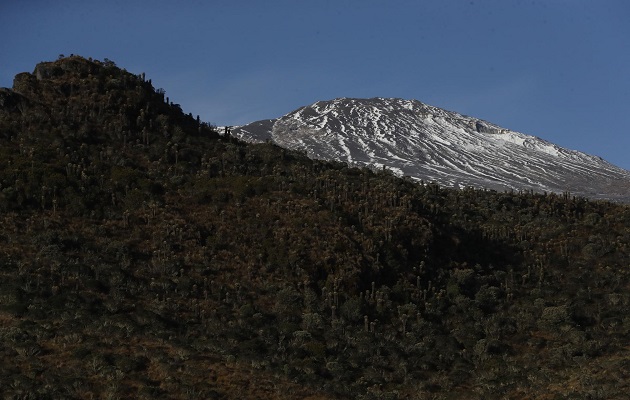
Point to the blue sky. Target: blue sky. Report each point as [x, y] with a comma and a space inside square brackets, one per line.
[557, 69]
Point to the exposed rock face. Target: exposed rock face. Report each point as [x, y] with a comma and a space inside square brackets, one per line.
[24, 83]
[484, 128]
[11, 101]
[75, 65]
[47, 71]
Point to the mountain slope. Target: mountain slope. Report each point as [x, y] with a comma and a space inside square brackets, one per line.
[143, 255]
[432, 144]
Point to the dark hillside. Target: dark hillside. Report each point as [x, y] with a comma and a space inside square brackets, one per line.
[143, 255]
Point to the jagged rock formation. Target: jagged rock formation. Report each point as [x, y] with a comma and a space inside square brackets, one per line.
[432, 144]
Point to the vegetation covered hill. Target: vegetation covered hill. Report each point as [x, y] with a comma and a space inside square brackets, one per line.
[143, 255]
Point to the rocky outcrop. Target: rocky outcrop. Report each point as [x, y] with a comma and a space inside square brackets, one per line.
[483, 128]
[47, 71]
[25, 83]
[11, 101]
[76, 65]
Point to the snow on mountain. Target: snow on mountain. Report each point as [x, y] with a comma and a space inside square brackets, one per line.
[431, 144]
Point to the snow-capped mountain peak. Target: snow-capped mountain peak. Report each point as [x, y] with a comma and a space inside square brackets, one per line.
[431, 144]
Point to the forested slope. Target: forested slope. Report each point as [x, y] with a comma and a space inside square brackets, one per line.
[143, 255]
